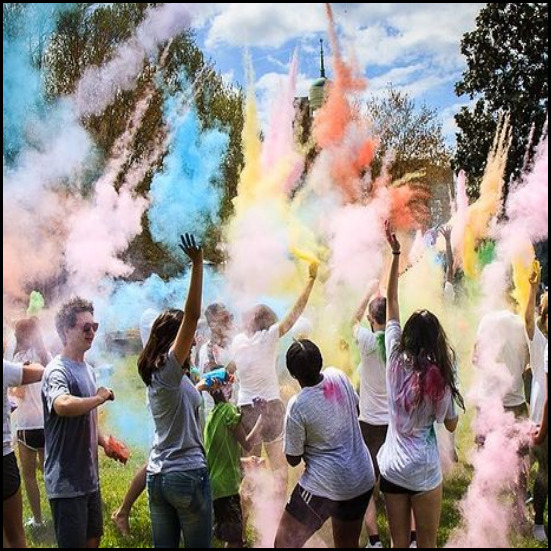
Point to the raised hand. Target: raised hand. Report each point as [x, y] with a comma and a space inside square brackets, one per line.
[313, 270]
[191, 248]
[391, 238]
[446, 232]
[535, 276]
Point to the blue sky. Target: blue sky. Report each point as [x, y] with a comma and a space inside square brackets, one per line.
[414, 47]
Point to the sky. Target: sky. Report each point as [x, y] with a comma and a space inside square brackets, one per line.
[414, 47]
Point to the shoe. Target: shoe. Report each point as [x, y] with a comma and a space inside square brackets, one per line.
[377, 545]
[31, 524]
[539, 533]
[413, 544]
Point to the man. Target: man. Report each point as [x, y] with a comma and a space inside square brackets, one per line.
[71, 398]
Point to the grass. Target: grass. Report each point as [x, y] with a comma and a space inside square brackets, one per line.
[116, 479]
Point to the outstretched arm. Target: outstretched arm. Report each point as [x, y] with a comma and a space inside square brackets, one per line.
[192, 312]
[446, 231]
[291, 318]
[530, 313]
[393, 308]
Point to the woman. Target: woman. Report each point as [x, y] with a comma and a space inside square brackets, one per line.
[29, 348]
[422, 390]
[177, 479]
[322, 429]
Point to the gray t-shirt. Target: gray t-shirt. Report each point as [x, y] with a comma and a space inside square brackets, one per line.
[13, 375]
[322, 426]
[71, 454]
[175, 406]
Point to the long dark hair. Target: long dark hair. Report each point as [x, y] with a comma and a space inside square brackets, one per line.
[163, 334]
[426, 346]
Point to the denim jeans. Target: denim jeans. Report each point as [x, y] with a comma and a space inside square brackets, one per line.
[180, 503]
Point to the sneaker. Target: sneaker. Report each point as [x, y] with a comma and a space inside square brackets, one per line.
[377, 545]
[539, 533]
[413, 544]
[31, 524]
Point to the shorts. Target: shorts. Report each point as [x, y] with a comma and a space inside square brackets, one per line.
[374, 437]
[11, 478]
[274, 420]
[228, 519]
[32, 439]
[388, 487]
[313, 511]
[77, 520]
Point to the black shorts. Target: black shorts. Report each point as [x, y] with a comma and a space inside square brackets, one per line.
[313, 511]
[228, 519]
[32, 439]
[11, 478]
[374, 437]
[77, 520]
[388, 487]
[274, 420]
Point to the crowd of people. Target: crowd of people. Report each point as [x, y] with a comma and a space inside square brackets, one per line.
[360, 453]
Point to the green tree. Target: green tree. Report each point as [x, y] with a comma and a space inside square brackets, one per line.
[413, 136]
[507, 58]
[86, 37]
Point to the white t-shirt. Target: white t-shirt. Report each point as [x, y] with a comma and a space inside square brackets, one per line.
[410, 458]
[13, 376]
[322, 427]
[537, 347]
[255, 359]
[373, 393]
[30, 411]
[505, 331]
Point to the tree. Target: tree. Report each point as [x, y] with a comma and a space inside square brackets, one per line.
[413, 136]
[86, 37]
[507, 58]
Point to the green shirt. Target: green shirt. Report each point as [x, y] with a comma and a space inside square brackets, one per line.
[223, 450]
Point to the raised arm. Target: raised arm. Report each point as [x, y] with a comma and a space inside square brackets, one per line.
[393, 308]
[291, 318]
[446, 232]
[360, 312]
[530, 313]
[192, 312]
[542, 433]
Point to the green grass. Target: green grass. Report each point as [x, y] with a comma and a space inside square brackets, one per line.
[116, 478]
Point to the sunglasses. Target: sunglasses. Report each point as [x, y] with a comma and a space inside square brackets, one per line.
[89, 327]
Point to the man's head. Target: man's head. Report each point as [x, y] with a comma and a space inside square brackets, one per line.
[377, 313]
[75, 324]
[219, 320]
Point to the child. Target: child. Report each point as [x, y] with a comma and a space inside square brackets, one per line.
[225, 435]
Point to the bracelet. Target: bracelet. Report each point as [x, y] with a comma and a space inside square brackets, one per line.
[396, 253]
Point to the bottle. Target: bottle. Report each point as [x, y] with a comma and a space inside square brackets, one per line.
[220, 376]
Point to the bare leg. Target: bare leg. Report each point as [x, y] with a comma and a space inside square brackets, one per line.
[371, 519]
[93, 543]
[12, 517]
[347, 534]
[398, 508]
[278, 463]
[28, 459]
[291, 533]
[121, 516]
[427, 509]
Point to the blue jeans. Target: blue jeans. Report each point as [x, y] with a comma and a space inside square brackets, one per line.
[180, 503]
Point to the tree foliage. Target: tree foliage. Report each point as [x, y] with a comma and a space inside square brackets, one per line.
[88, 35]
[413, 138]
[507, 58]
